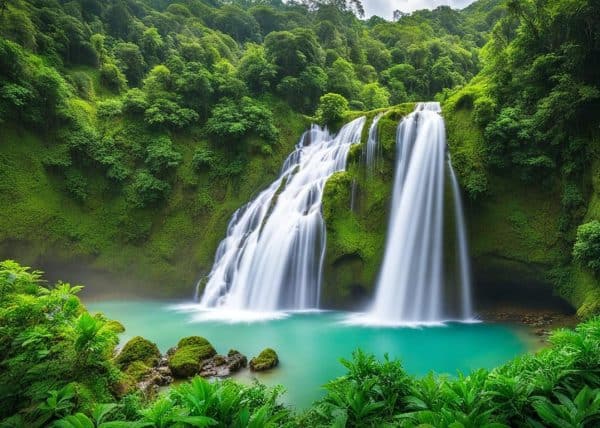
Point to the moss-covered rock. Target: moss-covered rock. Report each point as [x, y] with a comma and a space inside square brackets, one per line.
[266, 360]
[137, 370]
[138, 349]
[185, 361]
[192, 341]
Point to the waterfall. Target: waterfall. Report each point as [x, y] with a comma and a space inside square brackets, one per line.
[411, 286]
[371, 150]
[464, 264]
[271, 258]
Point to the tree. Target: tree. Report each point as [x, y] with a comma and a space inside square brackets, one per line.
[332, 108]
[164, 112]
[342, 79]
[98, 44]
[119, 18]
[292, 51]
[255, 69]
[152, 45]
[374, 96]
[303, 92]
[236, 22]
[131, 62]
[234, 121]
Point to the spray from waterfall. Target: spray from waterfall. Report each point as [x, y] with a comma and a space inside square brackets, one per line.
[272, 256]
[411, 287]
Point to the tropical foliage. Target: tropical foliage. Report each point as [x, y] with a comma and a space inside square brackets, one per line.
[59, 369]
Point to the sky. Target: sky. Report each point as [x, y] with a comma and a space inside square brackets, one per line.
[385, 8]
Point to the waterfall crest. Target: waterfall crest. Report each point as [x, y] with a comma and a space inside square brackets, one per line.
[411, 286]
[271, 258]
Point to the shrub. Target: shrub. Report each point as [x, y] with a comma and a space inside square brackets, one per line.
[135, 101]
[163, 112]
[203, 158]
[332, 108]
[76, 184]
[82, 83]
[484, 111]
[140, 350]
[160, 155]
[147, 189]
[236, 120]
[112, 78]
[586, 250]
[110, 108]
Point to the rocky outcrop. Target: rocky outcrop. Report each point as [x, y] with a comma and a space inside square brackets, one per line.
[186, 361]
[266, 360]
[155, 378]
[140, 350]
[223, 366]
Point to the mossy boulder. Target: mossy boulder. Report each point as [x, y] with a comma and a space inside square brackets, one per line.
[266, 360]
[138, 349]
[185, 361]
[137, 370]
[192, 341]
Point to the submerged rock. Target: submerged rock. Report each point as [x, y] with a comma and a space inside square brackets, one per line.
[266, 360]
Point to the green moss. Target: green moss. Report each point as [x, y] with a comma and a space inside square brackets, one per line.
[137, 370]
[267, 359]
[140, 350]
[192, 341]
[356, 238]
[466, 144]
[185, 362]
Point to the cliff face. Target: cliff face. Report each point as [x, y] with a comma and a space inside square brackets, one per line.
[101, 241]
[519, 248]
[519, 253]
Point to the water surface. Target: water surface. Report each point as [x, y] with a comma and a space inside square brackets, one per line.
[310, 344]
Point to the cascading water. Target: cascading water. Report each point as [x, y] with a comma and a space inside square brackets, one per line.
[272, 256]
[411, 286]
[371, 151]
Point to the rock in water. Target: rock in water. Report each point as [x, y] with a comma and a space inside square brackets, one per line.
[221, 366]
[266, 360]
[236, 361]
[187, 360]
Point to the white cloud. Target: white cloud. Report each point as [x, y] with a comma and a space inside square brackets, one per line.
[385, 8]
